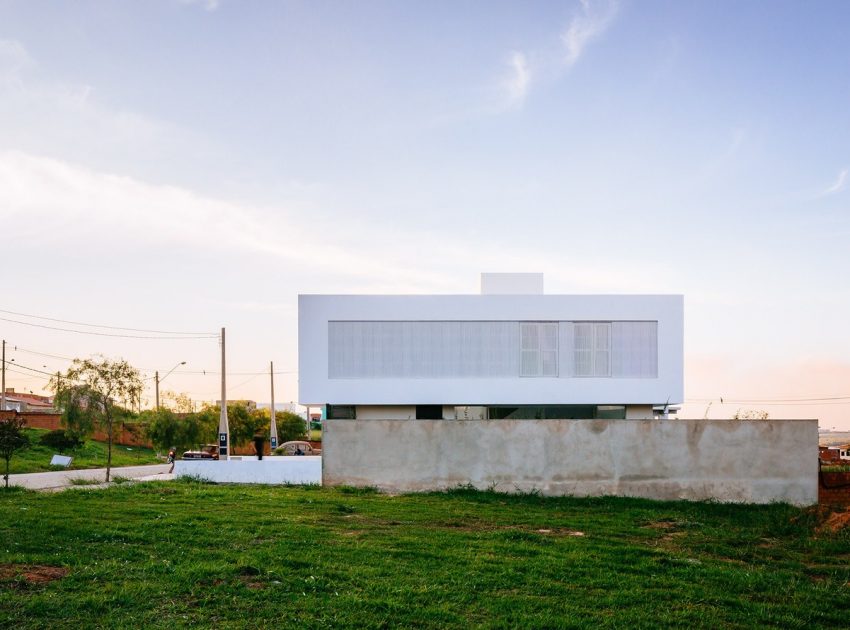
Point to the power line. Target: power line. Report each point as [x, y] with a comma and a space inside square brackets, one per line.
[766, 400]
[102, 334]
[16, 364]
[144, 330]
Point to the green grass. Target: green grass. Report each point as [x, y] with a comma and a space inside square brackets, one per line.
[91, 455]
[192, 554]
[835, 468]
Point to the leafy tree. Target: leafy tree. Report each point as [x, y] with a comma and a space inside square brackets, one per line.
[61, 440]
[244, 423]
[290, 426]
[165, 429]
[12, 439]
[102, 384]
[751, 414]
[72, 400]
[179, 403]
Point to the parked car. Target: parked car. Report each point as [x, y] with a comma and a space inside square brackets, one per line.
[207, 451]
[296, 447]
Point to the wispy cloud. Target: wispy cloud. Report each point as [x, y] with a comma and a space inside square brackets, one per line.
[588, 24]
[517, 80]
[838, 185]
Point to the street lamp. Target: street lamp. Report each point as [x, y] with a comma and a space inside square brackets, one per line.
[157, 380]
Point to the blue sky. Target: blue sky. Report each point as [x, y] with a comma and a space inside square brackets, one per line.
[176, 164]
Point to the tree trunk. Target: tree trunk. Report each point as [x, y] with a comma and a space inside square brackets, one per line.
[109, 447]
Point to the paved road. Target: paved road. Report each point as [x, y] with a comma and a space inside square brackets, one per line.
[62, 478]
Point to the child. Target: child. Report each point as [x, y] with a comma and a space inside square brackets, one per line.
[172, 455]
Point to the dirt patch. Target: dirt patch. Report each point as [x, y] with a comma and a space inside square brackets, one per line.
[835, 522]
[32, 573]
[827, 519]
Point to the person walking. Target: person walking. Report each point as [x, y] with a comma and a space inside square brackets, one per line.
[172, 455]
[259, 443]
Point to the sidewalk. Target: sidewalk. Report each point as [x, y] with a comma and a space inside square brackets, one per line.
[62, 478]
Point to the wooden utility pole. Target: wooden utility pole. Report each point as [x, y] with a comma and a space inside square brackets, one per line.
[273, 423]
[156, 388]
[223, 426]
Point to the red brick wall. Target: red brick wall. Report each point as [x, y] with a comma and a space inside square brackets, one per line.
[126, 435]
[834, 488]
[49, 421]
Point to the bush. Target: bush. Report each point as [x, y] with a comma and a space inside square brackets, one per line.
[61, 440]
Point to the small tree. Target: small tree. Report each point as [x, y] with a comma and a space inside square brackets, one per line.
[290, 426]
[72, 400]
[751, 414]
[165, 429]
[102, 384]
[12, 439]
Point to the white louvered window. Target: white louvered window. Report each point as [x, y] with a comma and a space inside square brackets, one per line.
[539, 349]
[592, 349]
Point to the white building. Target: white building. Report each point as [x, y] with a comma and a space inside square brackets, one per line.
[510, 352]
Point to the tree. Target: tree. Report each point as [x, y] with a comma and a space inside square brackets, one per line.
[751, 414]
[12, 439]
[290, 426]
[166, 429]
[72, 400]
[179, 403]
[102, 384]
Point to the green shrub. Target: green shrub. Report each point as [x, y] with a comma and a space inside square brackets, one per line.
[61, 440]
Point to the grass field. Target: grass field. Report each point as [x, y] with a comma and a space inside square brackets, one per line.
[182, 553]
[91, 455]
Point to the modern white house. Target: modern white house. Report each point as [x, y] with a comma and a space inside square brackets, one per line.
[510, 352]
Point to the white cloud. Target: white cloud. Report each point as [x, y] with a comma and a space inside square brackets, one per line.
[589, 23]
[43, 115]
[82, 205]
[838, 185]
[593, 19]
[517, 80]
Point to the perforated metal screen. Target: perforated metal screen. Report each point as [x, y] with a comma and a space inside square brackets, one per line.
[491, 349]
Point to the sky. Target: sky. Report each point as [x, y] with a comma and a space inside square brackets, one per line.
[183, 165]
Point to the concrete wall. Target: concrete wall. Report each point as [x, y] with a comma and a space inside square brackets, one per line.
[271, 470]
[756, 461]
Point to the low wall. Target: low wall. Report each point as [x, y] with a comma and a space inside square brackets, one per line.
[269, 470]
[834, 488]
[754, 461]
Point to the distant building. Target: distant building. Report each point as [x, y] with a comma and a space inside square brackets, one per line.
[509, 353]
[28, 402]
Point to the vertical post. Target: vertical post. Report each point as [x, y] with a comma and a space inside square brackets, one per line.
[223, 427]
[156, 384]
[3, 385]
[273, 422]
[307, 411]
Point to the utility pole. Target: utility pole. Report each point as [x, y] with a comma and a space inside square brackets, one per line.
[223, 427]
[3, 395]
[273, 424]
[156, 382]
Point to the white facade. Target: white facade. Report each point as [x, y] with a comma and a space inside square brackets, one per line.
[480, 350]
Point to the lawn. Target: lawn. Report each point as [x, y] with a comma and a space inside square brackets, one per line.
[184, 553]
[91, 455]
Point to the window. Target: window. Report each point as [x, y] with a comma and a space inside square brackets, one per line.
[538, 349]
[429, 412]
[341, 412]
[592, 349]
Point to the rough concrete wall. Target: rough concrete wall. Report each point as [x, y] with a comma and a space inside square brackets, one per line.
[756, 461]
